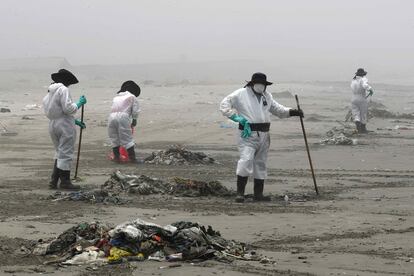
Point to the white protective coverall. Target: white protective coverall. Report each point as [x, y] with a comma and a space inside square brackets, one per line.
[253, 150]
[60, 108]
[124, 107]
[359, 86]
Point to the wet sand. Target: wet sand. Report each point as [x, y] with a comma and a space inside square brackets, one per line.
[362, 224]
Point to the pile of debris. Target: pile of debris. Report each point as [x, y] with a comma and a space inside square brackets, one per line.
[93, 196]
[135, 184]
[378, 110]
[144, 185]
[340, 136]
[178, 155]
[138, 240]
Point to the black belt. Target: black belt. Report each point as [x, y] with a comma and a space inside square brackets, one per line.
[263, 127]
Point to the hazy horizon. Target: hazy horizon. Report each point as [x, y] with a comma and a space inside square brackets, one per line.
[330, 38]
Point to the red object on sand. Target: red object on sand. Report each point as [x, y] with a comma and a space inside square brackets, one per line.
[123, 154]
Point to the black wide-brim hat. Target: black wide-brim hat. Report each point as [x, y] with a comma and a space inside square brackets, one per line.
[361, 72]
[131, 87]
[258, 78]
[64, 76]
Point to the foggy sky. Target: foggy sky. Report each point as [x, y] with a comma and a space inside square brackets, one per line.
[310, 33]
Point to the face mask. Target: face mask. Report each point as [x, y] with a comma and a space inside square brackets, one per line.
[259, 88]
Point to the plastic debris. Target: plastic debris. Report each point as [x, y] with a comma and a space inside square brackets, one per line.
[144, 185]
[94, 196]
[178, 155]
[138, 240]
[340, 136]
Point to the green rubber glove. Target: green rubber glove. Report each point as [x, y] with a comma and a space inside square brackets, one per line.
[82, 101]
[370, 92]
[247, 132]
[238, 119]
[79, 123]
[134, 122]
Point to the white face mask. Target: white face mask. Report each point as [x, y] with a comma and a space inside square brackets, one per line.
[259, 88]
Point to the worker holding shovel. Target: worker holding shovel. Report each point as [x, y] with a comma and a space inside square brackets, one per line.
[60, 109]
[251, 107]
[122, 120]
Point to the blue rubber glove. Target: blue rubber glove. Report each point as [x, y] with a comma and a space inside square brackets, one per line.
[80, 123]
[82, 101]
[247, 132]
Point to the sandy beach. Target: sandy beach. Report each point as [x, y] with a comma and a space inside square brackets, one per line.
[361, 224]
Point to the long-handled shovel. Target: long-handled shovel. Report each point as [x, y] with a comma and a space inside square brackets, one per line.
[80, 143]
[307, 148]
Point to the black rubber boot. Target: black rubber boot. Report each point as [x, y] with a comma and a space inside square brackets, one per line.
[132, 157]
[131, 154]
[364, 128]
[54, 179]
[241, 186]
[117, 155]
[358, 126]
[65, 183]
[258, 190]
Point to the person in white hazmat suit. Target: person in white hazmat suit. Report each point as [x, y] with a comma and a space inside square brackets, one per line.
[123, 117]
[251, 107]
[359, 103]
[60, 109]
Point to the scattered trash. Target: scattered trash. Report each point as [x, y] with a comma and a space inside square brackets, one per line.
[4, 110]
[144, 185]
[178, 155]
[264, 260]
[170, 266]
[32, 107]
[208, 103]
[87, 257]
[398, 127]
[138, 240]
[286, 199]
[84, 235]
[25, 117]
[94, 196]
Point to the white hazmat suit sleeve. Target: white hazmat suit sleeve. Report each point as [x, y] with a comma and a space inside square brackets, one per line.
[226, 105]
[277, 109]
[135, 108]
[68, 106]
[365, 85]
